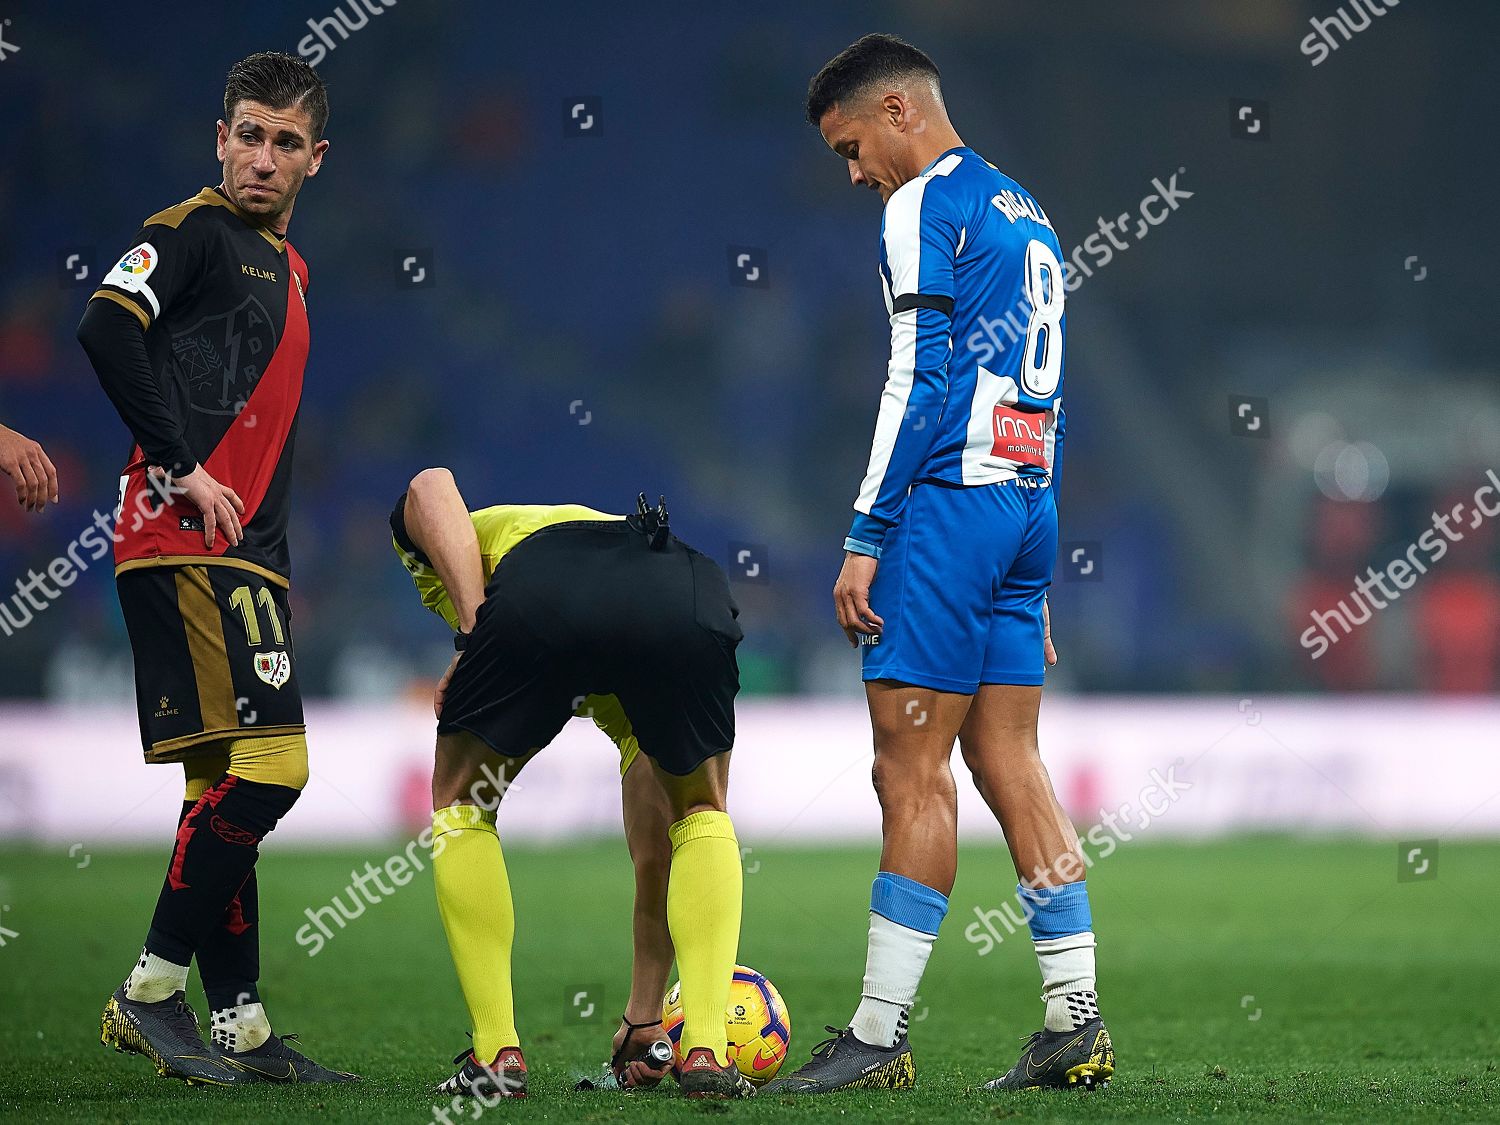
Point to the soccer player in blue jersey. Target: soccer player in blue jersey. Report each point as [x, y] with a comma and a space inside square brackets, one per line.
[948, 561]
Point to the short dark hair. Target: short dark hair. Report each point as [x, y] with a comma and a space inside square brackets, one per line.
[866, 61]
[279, 81]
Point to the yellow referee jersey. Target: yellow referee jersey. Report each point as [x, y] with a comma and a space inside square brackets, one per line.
[499, 529]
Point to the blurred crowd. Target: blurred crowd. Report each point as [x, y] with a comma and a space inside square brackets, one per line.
[582, 337]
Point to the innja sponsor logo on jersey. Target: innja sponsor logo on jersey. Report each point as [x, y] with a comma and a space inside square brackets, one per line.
[1020, 436]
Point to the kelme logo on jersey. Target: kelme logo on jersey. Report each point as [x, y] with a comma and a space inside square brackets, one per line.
[274, 668]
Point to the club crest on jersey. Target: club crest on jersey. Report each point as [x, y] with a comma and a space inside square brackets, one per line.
[224, 356]
[274, 668]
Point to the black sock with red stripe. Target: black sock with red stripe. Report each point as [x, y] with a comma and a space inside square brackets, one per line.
[212, 861]
[229, 958]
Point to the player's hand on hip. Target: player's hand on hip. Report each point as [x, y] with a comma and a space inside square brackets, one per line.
[851, 597]
[26, 463]
[221, 506]
[1048, 651]
[442, 687]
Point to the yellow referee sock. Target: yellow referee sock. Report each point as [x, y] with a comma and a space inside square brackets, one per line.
[703, 915]
[473, 893]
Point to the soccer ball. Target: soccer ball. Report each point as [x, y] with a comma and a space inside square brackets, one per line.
[755, 1022]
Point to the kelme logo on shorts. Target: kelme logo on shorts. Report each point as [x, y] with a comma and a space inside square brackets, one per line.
[274, 668]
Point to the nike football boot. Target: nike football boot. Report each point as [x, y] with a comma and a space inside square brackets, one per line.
[275, 1061]
[166, 1032]
[1083, 1058]
[846, 1063]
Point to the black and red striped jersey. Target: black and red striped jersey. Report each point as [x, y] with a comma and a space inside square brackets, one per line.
[221, 304]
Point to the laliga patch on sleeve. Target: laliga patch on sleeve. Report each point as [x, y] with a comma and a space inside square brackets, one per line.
[131, 272]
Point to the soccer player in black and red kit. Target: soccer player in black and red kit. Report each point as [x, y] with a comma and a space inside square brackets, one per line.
[199, 336]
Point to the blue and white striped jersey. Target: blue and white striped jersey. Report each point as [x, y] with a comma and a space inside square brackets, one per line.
[973, 279]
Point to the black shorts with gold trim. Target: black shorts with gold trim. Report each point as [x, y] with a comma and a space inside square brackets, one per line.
[213, 656]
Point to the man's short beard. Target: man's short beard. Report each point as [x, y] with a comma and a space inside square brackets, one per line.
[269, 209]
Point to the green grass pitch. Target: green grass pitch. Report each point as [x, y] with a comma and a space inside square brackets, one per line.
[1262, 978]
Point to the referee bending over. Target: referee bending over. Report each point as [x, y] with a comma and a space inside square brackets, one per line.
[553, 605]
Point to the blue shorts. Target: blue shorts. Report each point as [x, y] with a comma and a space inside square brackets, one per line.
[960, 587]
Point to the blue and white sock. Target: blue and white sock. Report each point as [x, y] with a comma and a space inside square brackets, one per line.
[904, 920]
[1063, 936]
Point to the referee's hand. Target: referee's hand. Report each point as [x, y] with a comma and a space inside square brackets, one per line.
[442, 688]
[221, 506]
[851, 597]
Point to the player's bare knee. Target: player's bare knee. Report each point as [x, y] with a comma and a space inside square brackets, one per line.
[907, 780]
[980, 768]
[428, 480]
[650, 855]
[467, 772]
[703, 790]
[685, 803]
[453, 788]
[894, 786]
[976, 772]
[455, 768]
[1002, 754]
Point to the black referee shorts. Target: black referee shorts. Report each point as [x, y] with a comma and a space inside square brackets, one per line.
[586, 608]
